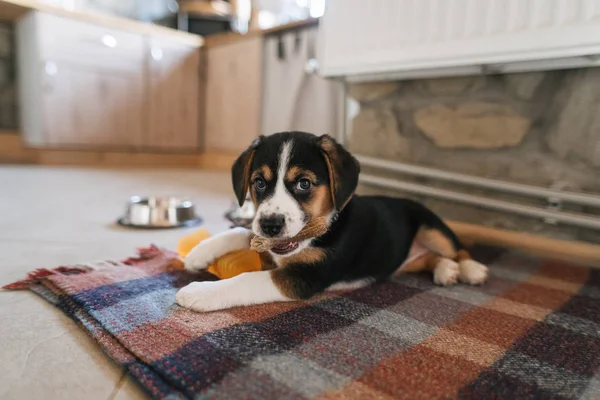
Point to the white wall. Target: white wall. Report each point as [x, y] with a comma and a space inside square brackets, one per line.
[378, 36]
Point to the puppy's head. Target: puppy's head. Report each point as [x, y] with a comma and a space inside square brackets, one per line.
[292, 178]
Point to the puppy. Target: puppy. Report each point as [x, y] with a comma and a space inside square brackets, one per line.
[294, 177]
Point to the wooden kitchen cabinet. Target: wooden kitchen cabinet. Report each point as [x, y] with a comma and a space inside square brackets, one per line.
[174, 90]
[87, 105]
[88, 86]
[233, 95]
[260, 84]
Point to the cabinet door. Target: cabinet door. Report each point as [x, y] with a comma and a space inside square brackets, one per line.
[85, 105]
[173, 96]
[233, 93]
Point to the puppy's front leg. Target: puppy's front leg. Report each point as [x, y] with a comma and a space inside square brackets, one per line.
[207, 251]
[249, 288]
[245, 289]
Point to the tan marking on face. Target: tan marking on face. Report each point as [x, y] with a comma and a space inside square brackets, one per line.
[292, 173]
[295, 173]
[267, 172]
[321, 203]
[437, 242]
[263, 172]
[255, 174]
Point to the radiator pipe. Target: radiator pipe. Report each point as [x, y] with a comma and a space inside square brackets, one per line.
[484, 183]
[484, 202]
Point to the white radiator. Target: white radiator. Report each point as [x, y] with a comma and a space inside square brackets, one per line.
[383, 36]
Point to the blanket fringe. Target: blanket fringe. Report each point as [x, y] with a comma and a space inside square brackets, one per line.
[144, 254]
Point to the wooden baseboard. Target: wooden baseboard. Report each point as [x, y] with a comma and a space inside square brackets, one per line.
[116, 159]
[12, 151]
[218, 161]
[577, 252]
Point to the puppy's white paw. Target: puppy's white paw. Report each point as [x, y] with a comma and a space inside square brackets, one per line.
[201, 296]
[207, 251]
[445, 272]
[201, 256]
[472, 272]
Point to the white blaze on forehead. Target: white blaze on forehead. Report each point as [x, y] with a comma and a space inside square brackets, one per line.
[281, 202]
[284, 160]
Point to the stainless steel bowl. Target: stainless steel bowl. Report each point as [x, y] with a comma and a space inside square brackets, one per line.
[159, 212]
[242, 216]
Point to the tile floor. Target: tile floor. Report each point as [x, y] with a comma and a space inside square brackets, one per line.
[52, 216]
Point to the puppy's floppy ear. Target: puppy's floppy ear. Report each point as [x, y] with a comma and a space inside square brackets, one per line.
[240, 171]
[343, 171]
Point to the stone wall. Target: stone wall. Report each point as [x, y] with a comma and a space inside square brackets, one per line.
[8, 98]
[539, 128]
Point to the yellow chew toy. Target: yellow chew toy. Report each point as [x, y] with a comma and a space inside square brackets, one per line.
[228, 266]
[240, 261]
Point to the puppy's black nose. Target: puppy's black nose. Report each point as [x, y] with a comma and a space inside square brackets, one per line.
[272, 225]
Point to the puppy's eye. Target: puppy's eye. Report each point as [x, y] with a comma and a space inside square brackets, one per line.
[260, 184]
[303, 184]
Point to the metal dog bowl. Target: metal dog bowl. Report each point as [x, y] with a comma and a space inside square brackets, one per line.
[242, 216]
[157, 212]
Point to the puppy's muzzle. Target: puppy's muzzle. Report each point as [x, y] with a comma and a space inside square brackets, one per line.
[272, 225]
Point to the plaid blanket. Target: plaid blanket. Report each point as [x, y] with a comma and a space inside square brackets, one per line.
[532, 332]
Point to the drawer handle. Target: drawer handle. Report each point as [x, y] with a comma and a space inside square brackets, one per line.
[156, 53]
[109, 41]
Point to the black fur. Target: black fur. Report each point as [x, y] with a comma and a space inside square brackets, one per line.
[373, 237]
